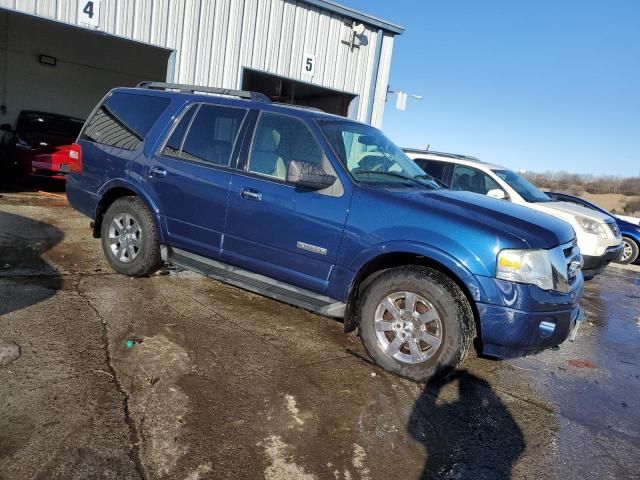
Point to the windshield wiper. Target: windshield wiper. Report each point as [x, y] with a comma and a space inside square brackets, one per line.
[417, 180]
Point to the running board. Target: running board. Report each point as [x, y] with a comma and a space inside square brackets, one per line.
[254, 282]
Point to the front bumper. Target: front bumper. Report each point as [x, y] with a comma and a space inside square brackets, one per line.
[594, 265]
[523, 319]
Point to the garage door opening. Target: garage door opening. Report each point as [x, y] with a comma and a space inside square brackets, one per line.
[294, 92]
[48, 67]
[54, 67]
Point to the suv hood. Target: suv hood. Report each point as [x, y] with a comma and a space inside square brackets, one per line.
[553, 208]
[536, 229]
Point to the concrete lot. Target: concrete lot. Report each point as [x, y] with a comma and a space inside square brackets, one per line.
[227, 384]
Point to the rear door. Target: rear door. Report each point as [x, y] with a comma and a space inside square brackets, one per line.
[273, 228]
[190, 176]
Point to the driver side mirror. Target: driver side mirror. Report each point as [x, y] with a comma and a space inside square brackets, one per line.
[309, 175]
[497, 193]
[6, 127]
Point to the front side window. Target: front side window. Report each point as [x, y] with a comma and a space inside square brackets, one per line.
[212, 134]
[278, 140]
[527, 190]
[371, 157]
[123, 120]
[469, 179]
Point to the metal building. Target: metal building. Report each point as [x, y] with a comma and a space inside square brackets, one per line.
[63, 55]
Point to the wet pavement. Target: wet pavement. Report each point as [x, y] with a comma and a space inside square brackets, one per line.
[221, 383]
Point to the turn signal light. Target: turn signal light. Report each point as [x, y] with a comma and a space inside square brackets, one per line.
[75, 158]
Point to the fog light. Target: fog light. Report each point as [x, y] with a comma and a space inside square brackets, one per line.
[546, 328]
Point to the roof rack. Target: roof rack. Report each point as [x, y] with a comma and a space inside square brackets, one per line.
[444, 154]
[257, 96]
[301, 107]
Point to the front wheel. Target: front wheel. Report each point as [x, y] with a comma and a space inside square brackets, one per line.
[629, 251]
[416, 322]
[130, 239]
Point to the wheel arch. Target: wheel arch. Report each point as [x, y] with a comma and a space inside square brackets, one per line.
[114, 190]
[385, 261]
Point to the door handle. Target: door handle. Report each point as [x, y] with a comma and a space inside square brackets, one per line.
[250, 194]
[157, 172]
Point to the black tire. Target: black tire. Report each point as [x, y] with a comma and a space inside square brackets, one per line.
[629, 243]
[445, 296]
[147, 260]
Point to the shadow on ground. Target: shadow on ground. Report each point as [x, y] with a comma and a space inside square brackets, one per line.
[28, 277]
[13, 184]
[471, 436]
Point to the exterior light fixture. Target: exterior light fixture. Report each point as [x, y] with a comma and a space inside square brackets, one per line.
[48, 60]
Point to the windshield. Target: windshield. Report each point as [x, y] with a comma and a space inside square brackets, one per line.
[372, 158]
[527, 190]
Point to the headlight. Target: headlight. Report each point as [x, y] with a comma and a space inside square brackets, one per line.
[526, 266]
[592, 226]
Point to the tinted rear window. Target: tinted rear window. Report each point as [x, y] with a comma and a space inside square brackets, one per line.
[49, 123]
[123, 120]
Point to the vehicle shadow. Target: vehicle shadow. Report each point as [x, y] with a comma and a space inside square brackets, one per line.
[25, 277]
[471, 435]
[13, 184]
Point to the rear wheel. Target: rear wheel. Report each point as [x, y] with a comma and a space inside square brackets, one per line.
[130, 239]
[629, 251]
[416, 322]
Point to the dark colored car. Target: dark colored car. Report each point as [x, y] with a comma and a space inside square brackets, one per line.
[324, 213]
[38, 143]
[630, 232]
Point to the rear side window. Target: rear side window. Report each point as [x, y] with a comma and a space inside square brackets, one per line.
[124, 120]
[212, 134]
[435, 169]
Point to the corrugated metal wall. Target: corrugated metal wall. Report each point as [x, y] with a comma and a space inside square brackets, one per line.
[214, 39]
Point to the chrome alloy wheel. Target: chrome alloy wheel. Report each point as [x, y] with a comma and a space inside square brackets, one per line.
[408, 327]
[125, 237]
[627, 251]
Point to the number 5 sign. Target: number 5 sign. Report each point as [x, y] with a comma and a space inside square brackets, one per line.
[309, 64]
[89, 12]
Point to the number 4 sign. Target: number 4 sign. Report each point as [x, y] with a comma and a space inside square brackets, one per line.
[89, 12]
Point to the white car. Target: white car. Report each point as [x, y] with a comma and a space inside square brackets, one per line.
[598, 235]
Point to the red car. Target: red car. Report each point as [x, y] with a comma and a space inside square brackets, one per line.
[39, 144]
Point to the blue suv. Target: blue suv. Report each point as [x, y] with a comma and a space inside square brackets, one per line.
[324, 213]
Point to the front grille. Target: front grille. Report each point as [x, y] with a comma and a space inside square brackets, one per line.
[572, 255]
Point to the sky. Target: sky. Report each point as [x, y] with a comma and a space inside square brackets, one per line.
[536, 85]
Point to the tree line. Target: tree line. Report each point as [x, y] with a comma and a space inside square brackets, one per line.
[577, 184]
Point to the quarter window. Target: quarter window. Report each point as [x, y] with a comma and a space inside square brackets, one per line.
[212, 134]
[124, 120]
[278, 140]
[174, 144]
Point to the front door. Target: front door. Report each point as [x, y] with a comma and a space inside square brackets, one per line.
[273, 228]
[190, 177]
